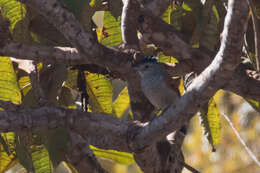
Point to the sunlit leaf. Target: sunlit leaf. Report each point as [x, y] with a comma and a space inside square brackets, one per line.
[181, 87]
[211, 122]
[15, 12]
[167, 15]
[100, 93]
[41, 160]
[4, 145]
[122, 103]
[111, 31]
[9, 90]
[166, 59]
[186, 7]
[254, 104]
[7, 156]
[119, 157]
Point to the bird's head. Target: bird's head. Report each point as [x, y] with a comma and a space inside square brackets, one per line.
[148, 67]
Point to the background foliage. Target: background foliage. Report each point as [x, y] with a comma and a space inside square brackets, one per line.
[200, 22]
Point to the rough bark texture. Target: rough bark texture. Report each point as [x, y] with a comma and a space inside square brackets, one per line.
[147, 141]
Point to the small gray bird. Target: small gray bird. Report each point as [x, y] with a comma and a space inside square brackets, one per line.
[155, 84]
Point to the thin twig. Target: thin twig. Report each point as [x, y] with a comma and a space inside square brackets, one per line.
[251, 154]
[191, 169]
[256, 34]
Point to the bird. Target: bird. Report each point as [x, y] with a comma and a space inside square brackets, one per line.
[155, 83]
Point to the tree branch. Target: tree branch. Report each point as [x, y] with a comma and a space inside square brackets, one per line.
[206, 84]
[156, 7]
[154, 30]
[82, 157]
[94, 125]
[48, 54]
[129, 23]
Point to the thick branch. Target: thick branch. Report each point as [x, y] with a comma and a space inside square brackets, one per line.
[74, 32]
[245, 83]
[63, 55]
[155, 30]
[82, 157]
[129, 23]
[239, 83]
[156, 7]
[95, 125]
[207, 83]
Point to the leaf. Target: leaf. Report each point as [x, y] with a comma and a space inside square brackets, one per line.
[6, 162]
[83, 10]
[24, 156]
[15, 12]
[186, 7]
[111, 31]
[100, 93]
[211, 122]
[66, 98]
[209, 33]
[119, 157]
[167, 15]
[75, 6]
[254, 104]
[51, 80]
[116, 8]
[122, 103]
[4, 144]
[9, 90]
[7, 157]
[25, 84]
[56, 144]
[166, 59]
[41, 160]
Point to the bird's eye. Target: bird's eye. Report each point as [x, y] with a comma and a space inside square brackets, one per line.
[146, 66]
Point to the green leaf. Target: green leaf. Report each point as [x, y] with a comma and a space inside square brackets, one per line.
[111, 31]
[176, 17]
[13, 10]
[6, 162]
[254, 104]
[211, 122]
[75, 6]
[4, 144]
[209, 26]
[119, 157]
[9, 90]
[41, 160]
[56, 144]
[16, 13]
[24, 84]
[100, 93]
[166, 59]
[24, 156]
[122, 103]
[66, 98]
[167, 15]
[7, 156]
[186, 7]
